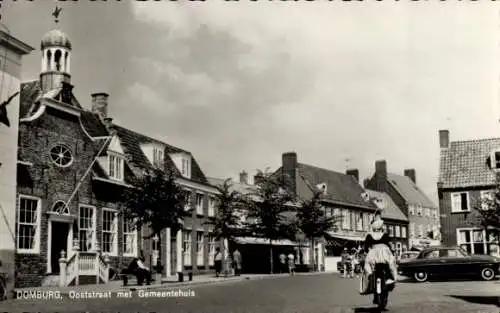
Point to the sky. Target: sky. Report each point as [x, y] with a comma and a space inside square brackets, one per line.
[240, 83]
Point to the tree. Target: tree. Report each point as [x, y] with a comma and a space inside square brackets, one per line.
[313, 221]
[267, 209]
[488, 209]
[227, 220]
[156, 202]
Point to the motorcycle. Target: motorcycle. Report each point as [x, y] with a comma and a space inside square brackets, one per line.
[381, 289]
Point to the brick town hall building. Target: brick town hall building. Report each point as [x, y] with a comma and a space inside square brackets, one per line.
[73, 164]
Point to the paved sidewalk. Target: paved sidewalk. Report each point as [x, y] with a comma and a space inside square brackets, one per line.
[167, 282]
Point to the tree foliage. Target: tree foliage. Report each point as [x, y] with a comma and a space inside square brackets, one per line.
[312, 219]
[156, 202]
[229, 205]
[269, 208]
[488, 208]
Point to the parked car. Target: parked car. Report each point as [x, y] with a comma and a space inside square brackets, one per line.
[407, 256]
[449, 262]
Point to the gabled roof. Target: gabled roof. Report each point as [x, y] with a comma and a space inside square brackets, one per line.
[341, 188]
[409, 191]
[131, 142]
[463, 164]
[31, 94]
[390, 209]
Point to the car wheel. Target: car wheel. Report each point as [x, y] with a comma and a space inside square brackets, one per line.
[420, 276]
[487, 273]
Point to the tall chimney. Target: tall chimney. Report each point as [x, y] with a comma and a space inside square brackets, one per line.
[100, 104]
[289, 171]
[410, 173]
[381, 176]
[244, 177]
[444, 138]
[354, 173]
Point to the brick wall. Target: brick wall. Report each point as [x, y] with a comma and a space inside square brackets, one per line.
[51, 183]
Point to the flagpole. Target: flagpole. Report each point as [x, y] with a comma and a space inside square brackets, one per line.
[87, 172]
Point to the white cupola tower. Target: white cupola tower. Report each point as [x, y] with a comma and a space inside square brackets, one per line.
[56, 59]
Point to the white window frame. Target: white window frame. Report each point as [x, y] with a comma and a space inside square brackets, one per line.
[403, 232]
[188, 194]
[186, 166]
[36, 244]
[397, 231]
[118, 166]
[186, 246]
[158, 157]
[346, 219]
[412, 230]
[93, 228]
[420, 231]
[411, 210]
[211, 248]
[471, 230]
[131, 232]
[454, 209]
[113, 232]
[211, 206]
[199, 206]
[200, 247]
[427, 212]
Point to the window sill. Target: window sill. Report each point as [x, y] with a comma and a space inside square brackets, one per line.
[19, 251]
[465, 211]
[130, 255]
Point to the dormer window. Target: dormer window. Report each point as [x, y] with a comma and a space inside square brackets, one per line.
[158, 157]
[322, 188]
[186, 167]
[115, 166]
[493, 161]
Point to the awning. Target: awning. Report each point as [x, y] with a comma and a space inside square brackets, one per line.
[264, 241]
[346, 237]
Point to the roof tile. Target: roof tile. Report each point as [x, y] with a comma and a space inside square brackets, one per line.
[463, 164]
[390, 209]
[409, 191]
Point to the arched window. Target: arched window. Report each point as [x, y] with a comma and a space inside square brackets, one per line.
[57, 59]
[49, 60]
[60, 208]
[66, 62]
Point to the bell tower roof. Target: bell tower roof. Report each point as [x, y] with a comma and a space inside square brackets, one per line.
[55, 38]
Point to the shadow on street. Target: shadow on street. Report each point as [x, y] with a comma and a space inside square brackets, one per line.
[479, 299]
[368, 309]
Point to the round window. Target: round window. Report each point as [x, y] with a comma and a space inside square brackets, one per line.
[60, 208]
[61, 156]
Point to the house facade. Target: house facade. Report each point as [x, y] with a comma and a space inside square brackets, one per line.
[256, 249]
[343, 196]
[73, 165]
[466, 175]
[422, 213]
[11, 53]
[395, 222]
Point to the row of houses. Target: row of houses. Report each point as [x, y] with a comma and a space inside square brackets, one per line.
[64, 168]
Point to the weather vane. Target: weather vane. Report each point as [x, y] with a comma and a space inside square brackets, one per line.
[56, 13]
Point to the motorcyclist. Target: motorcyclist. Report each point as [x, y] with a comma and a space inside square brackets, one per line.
[379, 251]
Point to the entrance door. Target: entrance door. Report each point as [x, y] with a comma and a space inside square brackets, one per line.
[59, 243]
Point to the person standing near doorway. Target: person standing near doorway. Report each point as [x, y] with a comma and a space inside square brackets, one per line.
[218, 261]
[237, 262]
[291, 264]
[283, 266]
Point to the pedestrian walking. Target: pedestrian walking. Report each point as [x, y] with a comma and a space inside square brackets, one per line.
[218, 261]
[291, 264]
[283, 266]
[237, 262]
